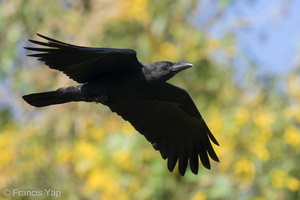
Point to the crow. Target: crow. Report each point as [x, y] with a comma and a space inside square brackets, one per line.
[138, 92]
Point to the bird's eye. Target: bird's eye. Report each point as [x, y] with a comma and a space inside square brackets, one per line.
[165, 66]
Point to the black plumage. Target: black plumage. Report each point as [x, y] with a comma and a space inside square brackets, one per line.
[165, 114]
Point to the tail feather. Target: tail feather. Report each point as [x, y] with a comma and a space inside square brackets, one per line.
[45, 99]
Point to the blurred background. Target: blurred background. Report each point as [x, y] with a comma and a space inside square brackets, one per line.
[245, 81]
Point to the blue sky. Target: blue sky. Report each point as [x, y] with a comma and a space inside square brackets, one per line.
[267, 33]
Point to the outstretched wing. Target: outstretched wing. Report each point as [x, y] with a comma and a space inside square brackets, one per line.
[168, 118]
[84, 64]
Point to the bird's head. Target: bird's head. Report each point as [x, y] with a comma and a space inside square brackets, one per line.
[163, 70]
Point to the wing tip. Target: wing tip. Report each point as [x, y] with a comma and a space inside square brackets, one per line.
[42, 36]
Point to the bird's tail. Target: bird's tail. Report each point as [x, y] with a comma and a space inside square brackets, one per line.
[45, 99]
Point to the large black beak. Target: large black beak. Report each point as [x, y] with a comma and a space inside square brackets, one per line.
[179, 66]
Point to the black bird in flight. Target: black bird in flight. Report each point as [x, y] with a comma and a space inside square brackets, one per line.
[138, 92]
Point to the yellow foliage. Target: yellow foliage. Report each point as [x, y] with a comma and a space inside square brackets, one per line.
[215, 118]
[259, 144]
[263, 136]
[167, 50]
[278, 178]
[281, 179]
[133, 10]
[245, 170]
[292, 136]
[293, 184]
[96, 133]
[97, 179]
[8, 151]
[263, 118]
[89, 129]
[106, 183]
[292, 112]
[199, 196]
[293, 86]
[127, 128]
[112, 123]
[242, 115]
[147, 153]
[8, 144]
[260, 151]
[259, 198]
[84, 155]
[85, 150]
[124, 160]
[64, 155]
[226, 158]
